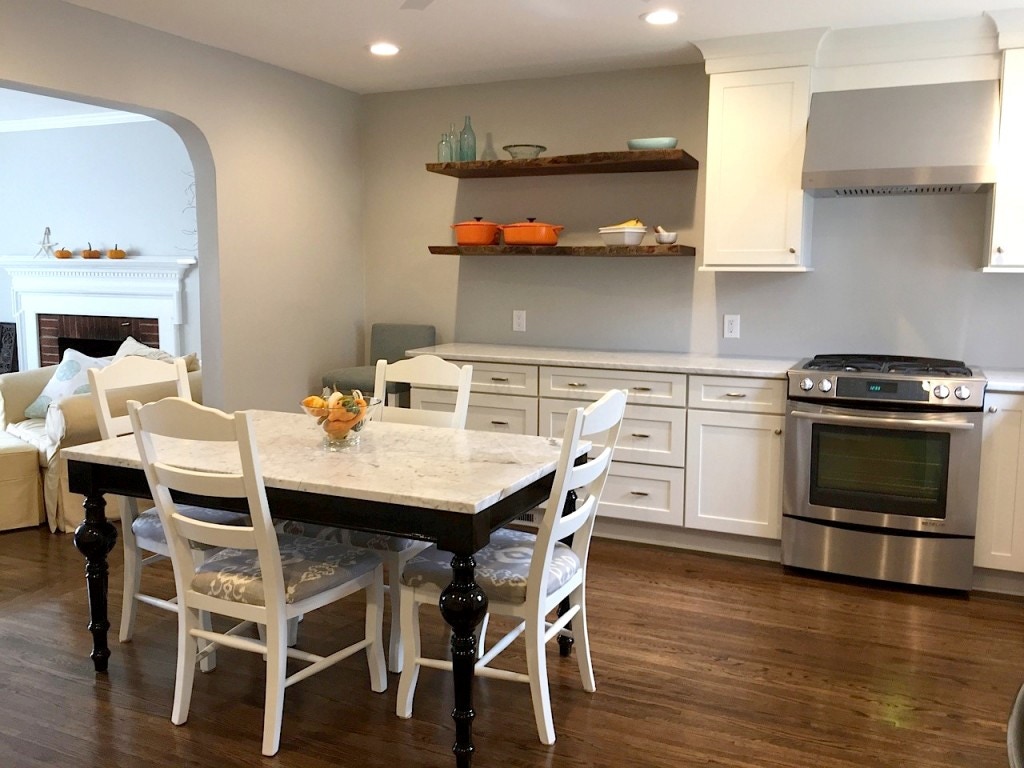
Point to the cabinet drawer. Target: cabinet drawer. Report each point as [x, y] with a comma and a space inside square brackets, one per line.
[503, 378]
[649, 435]
[487, 413]
[726, 393]
[644, 387]
[643, 493]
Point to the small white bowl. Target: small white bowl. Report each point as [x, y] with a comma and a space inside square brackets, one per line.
[657, 142]
[665, 238]
[631, 236]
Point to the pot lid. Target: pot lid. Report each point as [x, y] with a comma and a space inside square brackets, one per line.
[531, 223]
[476, 220]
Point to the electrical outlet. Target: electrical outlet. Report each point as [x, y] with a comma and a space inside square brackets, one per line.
[731, 327]
[519, 320]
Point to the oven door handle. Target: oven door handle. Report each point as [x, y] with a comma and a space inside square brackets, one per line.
[840, 418]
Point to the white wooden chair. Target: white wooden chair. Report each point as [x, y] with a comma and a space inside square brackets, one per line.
[527, 575]
[426, 371]
[257, 577]
[143, 379]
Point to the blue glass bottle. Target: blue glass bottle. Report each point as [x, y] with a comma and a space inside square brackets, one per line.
[444, 149]
[467, 142]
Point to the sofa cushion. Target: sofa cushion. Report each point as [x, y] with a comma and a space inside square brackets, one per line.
[70, 378]
[33, 432]
[131, 346]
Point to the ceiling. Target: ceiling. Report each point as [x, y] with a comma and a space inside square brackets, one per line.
[456, 42]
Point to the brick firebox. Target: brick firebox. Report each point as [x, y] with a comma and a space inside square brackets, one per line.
[59, 331]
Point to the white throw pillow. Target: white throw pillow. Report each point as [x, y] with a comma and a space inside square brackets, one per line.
[131, 346]
[70, 378]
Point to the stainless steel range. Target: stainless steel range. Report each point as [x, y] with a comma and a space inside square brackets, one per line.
[882, 462]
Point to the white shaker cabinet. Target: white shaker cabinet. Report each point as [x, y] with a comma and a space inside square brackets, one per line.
[757, 216]
[999, 540]
[503, 398]
[734, 455]
[1006, 228]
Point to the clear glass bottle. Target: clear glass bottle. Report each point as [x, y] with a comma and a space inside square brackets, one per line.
[444, 149]
[467, 142]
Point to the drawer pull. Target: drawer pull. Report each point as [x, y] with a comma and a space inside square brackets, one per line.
[641, 389]
[778, 431]
[576, 384]
[641, 435]
[499, 423]
[500, 379]
[639, 493]
[736, 395]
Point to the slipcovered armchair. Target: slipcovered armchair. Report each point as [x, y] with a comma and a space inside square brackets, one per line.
[388, 341]
[70, 421]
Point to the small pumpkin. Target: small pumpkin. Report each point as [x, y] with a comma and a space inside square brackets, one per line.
[115, 253]
[62, 253]
[90, 253]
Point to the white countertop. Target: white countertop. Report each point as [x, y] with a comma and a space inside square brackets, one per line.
[1004, 380]
[668, 362]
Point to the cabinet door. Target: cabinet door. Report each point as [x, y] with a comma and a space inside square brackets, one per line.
[487, 413]
[999, 542]
[734, 473]
[757, 217]
[1006, 232]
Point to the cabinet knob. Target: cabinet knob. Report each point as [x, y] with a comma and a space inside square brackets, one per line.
[999, 249]
[992, 409]
[792, 250]
[778, 431]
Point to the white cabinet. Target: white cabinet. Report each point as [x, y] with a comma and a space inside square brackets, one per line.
[734, 456]
[757, 216]
[1006, 230]
[503, 398]
[999, 541]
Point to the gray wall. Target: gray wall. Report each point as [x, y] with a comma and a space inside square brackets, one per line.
[890, 275]
[124, 183]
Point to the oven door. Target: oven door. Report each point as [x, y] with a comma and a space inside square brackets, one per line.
[901, 470]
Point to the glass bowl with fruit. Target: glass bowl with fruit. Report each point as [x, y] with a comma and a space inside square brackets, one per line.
[342, 416]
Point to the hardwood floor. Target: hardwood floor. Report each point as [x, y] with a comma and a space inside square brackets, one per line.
[700, 660]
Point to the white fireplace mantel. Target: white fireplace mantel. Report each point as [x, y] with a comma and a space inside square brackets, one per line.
[140, 287]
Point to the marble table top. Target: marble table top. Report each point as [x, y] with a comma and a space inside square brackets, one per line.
[461, 471]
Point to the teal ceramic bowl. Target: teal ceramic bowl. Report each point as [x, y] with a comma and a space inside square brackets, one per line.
[661, 142]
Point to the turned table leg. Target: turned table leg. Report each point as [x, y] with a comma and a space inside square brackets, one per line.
[94, 538]
[463, 606]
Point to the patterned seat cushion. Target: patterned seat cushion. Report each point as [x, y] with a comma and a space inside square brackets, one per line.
[381, 542]
[148, 526]
[312, 530]
[501, 567]
[310, 566]
[377, 541]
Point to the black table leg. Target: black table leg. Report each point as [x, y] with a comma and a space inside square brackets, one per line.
[565, 638]
[463, 606]
[94, 538]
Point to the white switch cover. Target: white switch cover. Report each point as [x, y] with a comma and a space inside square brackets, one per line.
[519, 320]
[731, 327]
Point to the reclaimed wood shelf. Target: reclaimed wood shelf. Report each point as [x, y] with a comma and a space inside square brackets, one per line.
[630, 161]
[564, 250]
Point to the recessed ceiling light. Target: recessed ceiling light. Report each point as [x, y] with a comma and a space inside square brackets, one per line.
[383, 49]
[661, 16]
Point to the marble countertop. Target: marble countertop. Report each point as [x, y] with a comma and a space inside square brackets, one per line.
[430, 467]
[668, 362]
[1004, 380]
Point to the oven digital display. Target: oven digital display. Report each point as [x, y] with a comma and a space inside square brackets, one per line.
[882, 387]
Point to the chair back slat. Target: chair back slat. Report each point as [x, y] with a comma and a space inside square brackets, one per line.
[215, 535]
[137, 378]
[425, 371]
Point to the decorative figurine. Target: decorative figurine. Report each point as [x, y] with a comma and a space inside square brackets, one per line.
[45, 246]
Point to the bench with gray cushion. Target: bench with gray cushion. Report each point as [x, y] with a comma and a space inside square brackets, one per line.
[388, 341]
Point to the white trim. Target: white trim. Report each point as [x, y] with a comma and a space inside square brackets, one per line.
[72, 121]
[124, 288]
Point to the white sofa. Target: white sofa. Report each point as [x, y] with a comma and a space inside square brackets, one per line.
[71, 421]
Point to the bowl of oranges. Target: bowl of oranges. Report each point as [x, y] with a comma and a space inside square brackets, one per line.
[342, 416]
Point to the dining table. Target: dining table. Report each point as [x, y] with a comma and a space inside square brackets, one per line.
[447, 486]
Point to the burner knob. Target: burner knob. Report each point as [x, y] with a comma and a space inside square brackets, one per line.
[941, 391]
[963, 392]
[825, 385]
[806, 384]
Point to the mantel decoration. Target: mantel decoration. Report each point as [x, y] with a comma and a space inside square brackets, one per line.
[46, 247]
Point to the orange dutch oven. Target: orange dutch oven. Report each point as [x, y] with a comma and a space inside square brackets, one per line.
[531, 232]
[476, 232]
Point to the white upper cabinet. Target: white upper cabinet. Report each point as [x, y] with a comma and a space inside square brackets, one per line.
[1005, 251]
[757, 217]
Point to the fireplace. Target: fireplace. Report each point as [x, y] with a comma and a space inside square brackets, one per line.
[93, 336]
[97, 297]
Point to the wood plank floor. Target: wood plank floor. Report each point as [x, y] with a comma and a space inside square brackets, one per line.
[700, 660]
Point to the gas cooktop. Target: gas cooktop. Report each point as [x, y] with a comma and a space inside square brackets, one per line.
[913, 382]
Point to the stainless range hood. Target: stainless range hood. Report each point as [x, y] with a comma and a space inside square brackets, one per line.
[920, 139]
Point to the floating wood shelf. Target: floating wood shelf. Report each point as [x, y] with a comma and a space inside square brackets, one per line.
[630, 161]
[564, 250]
